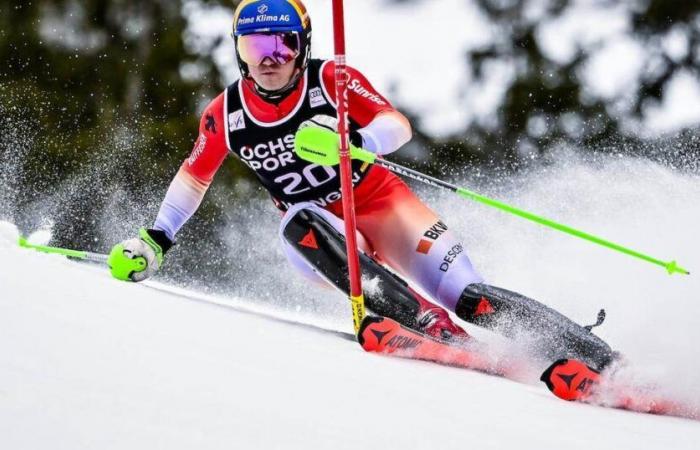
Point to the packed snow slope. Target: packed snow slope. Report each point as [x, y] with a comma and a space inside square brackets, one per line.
[88, 362]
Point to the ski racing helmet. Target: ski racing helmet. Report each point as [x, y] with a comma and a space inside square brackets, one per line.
[275, 29]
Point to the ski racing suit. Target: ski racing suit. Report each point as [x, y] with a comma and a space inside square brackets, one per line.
[394, 226]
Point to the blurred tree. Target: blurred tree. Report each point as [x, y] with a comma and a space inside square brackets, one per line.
[99, 102]
[549, 101]
[100, 87]
[654, 20]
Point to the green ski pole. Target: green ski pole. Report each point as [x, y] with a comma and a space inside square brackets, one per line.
[121, 268]
[319, 146]
[77, 254]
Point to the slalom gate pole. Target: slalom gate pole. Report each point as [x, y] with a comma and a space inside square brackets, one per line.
[341, 94]
[317, 145]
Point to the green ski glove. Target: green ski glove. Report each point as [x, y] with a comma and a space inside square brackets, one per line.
[139, 258]
[331, 123]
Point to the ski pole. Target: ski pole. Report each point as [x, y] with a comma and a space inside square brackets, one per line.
[120, 269]
[77, 254]
[319, 146]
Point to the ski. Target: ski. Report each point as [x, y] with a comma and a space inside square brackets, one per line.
[573, 380]
[568, 379]
[386, 336]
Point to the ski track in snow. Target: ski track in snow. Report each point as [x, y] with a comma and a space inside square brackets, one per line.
[90, 362]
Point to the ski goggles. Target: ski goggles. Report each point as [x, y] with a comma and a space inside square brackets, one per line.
[280, 48]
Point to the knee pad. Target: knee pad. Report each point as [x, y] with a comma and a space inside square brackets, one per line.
[290, 250]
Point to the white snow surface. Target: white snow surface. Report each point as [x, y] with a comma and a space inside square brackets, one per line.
[90, 362]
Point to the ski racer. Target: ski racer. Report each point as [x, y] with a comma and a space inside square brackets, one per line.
[282, 89]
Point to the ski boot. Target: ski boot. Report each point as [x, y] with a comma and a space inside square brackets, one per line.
[554, 335]
[435, 321]
[391, 297]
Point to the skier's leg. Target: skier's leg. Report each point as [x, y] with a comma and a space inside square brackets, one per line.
[315, 235]
[306, 269]
[512, 314]
[303, 267]
[410, 238]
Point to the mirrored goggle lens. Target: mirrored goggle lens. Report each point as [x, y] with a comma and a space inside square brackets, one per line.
[280, 48]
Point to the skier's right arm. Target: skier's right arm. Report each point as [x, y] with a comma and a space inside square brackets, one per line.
[196, 173]
[182, 199]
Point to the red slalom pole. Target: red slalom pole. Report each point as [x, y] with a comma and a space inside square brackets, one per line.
[357, 300]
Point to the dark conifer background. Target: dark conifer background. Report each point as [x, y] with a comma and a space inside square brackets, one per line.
[99, 104]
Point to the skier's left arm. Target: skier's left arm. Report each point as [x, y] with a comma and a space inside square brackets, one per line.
[384, 129]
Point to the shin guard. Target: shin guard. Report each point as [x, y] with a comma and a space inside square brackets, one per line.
[515, 315]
